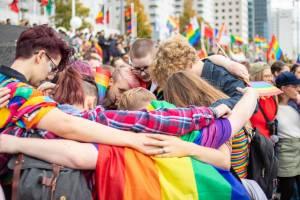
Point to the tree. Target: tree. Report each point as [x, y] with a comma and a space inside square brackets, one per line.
[63, 13]
[188, 13]
[144, 29]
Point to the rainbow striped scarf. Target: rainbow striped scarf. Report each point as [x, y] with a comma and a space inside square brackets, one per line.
[125, 174]
[102, 78]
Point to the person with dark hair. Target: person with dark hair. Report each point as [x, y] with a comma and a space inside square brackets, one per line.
[289, 136]
[278, 67]
[105, 46]
[40, 50]
[296, 70]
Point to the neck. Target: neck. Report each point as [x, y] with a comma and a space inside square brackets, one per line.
[20, 66]
[198, 67]
[284, 99]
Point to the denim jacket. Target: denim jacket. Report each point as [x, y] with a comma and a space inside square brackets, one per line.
[220, 78]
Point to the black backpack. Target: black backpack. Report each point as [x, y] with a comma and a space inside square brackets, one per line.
[263, 163]
[34, 179]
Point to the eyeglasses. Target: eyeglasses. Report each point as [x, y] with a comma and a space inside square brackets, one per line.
[53, 66]
[140, 69]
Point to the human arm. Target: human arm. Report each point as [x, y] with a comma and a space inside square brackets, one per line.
[220, 78]
[233, 67]
[67, 153]
[177, 121]
[171, 146]
[244, 109]
[76, 128]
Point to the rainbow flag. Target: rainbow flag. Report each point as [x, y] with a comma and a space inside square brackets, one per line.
[98, 49]
[100, 16]
[236, 40]
[193, 33]
[102, 77]
[274, 52]
[126, 174]
[172, 24]
[128, 20]
[265, 89]
[260, 42]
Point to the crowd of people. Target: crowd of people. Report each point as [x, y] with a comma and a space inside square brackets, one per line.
[147, 120]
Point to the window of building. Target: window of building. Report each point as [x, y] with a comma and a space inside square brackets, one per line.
[237, 2]
[230, 10]
[152, 6]
[200, 12]
[237, 10]
[217, 24]
[216, 11]
[223, 4]
[230, 24]
[230, 30]
[216, 4]
[237, 16]
[216, 18]
[230, 17]
[200, 5]
[237, 23]
[223, 17]
[223, 10]
[237, 30]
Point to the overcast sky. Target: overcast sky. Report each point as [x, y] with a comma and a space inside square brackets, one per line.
[282, 3]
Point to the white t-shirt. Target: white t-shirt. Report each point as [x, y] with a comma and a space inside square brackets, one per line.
[288, 122]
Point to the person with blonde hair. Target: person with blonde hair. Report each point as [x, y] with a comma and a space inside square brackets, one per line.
[186, 88]
[176, 54]
[267, 105]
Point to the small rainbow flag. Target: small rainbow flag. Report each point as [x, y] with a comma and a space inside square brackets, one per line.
[236, 39]
[265, 89]
[126, 174]
[98, 49]
[172, 24]
[261, 42]
[193, 33]
[102, 77]
[274, 51]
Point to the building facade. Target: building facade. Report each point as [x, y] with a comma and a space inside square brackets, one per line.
[234, 14]
[262, 18]
[251, 13]
[285, 26]
[203, 8]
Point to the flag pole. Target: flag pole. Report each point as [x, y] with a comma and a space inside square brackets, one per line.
[221, 49]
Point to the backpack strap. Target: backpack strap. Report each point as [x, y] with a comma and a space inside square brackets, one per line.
[16, 176]
[56, 170]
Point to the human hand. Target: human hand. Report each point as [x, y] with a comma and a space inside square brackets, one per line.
[47, 88]
[247, 90]
[138, 141]
[240, 71]
[222, 110]
[167, 146]
[4, 96]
